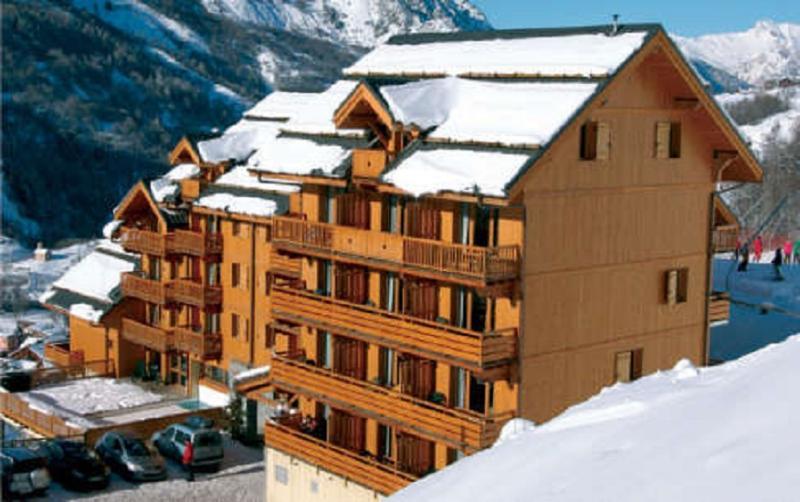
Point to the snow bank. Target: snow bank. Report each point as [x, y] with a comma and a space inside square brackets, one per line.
[456, 170]
[574, 55]
[727, 432]
[96, 276]
[489, 112]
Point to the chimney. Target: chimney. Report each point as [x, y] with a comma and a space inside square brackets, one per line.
[614, 24]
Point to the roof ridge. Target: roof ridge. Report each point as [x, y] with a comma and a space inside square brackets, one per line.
[465, 36]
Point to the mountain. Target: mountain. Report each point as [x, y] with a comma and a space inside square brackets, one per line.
[354, 22]
[764, 54]
[96, 92]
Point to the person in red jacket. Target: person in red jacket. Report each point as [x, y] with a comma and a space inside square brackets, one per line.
[758, 248]
[188, 456]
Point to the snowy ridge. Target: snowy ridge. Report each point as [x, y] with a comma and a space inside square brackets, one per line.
[357, 22]
[721, 433]
[768, 51]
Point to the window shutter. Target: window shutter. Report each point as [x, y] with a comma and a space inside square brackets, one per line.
[603, 140]
[623, 366]
[663, 139]
[672, 287]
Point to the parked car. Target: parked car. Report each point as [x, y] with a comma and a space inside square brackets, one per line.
[130, 457]
[24, 472]
[74, 465]
[206, 443]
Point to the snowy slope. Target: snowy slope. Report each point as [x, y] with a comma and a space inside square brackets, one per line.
[722, 433]
[356, 22]
[768, 51]
[779, 126]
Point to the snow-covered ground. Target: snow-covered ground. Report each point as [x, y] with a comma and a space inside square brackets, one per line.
[241, 479]
[727, 432]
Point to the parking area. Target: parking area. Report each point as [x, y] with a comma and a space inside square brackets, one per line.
[241, 479]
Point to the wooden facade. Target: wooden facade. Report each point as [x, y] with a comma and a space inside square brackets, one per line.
[403, 332]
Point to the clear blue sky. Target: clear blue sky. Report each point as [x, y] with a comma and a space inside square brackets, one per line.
[684, 17]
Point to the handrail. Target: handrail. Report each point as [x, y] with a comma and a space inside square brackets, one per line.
[473, 261]
[396, 316]
[177, 241]
[460, 414]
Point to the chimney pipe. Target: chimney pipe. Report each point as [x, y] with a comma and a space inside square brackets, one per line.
[614, 24]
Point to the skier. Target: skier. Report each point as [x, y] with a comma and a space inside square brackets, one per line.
[777, 261]
[745, 259]
[787, 251]
[797, 251]
[188, 455]
[758, 248]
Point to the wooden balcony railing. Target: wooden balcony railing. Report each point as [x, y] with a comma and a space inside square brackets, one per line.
[143, 241]
[457, 262]
[194, 243]
[148, 336]
[723, 238]
[199, 344]
[471, 349]
[719, 308]
[361, 469]
[47, 424]
[176, 242]
[60, 355]
[461, 428]
[135, 285]
[193, 293]
[285, 266]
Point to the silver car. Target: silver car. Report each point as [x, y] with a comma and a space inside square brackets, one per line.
[206, 444]
[130, 457]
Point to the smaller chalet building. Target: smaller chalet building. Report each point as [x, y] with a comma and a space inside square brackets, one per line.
[466, 228]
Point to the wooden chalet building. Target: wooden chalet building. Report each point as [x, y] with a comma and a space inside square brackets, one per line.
[467, 228]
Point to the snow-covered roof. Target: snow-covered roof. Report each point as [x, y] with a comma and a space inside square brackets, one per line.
[429, 170]
[247, 201]
[727, 432]
[168, 186]
[487, 112]
[239, 141]
[90, 288]
[240, 177]
[277, 105]
[299, 156]
[587, 52]
[315, 114]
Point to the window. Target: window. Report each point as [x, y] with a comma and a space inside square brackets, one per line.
[595, 138]
[212, 322]
[236, 273]
[237, 228]
[384, 441]
[676, 286]
[234, 325]
[281, 475]
[668, 140]
[212, 225]
[628, 365]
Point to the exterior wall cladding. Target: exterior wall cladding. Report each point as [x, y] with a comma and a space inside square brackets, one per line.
[401, 333]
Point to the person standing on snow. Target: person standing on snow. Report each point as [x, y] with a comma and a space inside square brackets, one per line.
[745, 259]
[777, 261]
[758, 248]
[188, 456]
[797, 251]
[787, 251]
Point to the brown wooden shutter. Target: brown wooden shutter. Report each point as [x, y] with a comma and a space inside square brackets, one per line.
[603, 140]
[421, 299]
[415, 455]
[662, 140]
[350, 357]
[351, 284]
[353, 210]
[417, 377]
[348, 431]
[671, 292]
[424, 220]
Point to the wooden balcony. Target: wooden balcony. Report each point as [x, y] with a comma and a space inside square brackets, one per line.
[143, 241]
[366, 471]
[194, 243]
[471, 349]
[135, 285]
[177, 242]
[200, 345]
[148, 336]
[285, 266]
[723, 239]
[719, 309]
[460, 428]
[469, 265]
[193, 293]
